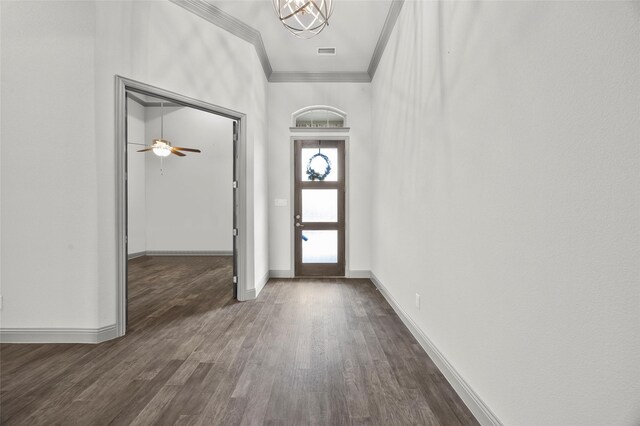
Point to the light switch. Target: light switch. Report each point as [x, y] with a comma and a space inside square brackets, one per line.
[281, 202]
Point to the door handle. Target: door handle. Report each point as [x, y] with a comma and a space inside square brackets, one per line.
[299, 225]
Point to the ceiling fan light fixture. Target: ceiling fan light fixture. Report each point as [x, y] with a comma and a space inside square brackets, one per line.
[161, 148]
[304, 18]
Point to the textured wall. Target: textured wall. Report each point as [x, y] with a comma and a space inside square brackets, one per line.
[49, 198]
[506, 194]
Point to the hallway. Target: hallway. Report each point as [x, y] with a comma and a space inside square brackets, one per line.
[306, 352]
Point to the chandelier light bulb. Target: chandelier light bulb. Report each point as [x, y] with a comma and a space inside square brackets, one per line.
[304, 18]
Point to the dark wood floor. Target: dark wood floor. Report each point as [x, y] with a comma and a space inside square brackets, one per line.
[306, 352]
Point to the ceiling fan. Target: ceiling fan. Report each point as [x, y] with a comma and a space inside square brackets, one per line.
[162, 147]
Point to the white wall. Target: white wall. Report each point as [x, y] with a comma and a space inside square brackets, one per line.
[136, 179]
[506, 194]
[195, 59]
[180, 204]
[0, 173]
[58, 214]
[355, 100]
[189, 203]
[49, 183]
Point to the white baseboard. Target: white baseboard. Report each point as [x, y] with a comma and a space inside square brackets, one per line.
[137, 254]
[253, 293]
[188, 253]
[480, 410]
[58, 335]
[179, 253]
[249, 295]
[285, 273]
[359, 274]
[260, 284]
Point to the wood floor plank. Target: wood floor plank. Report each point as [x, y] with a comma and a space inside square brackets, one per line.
[306, 352]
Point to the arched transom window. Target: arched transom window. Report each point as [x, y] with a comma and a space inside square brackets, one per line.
[319, 117]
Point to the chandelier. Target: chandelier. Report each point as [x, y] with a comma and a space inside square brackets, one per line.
[304, 18]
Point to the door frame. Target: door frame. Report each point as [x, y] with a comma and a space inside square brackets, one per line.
[122, 86]
[292, 193]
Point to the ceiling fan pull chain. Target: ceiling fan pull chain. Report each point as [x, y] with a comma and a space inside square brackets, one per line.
[161, 166]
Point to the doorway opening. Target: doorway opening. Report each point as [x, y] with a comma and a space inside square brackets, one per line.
[319, 208]
[179, 210]
[193, 216]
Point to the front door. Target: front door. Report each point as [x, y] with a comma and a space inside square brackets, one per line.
[319, 218]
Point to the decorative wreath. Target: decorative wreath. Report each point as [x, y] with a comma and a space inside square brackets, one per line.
[314, 175]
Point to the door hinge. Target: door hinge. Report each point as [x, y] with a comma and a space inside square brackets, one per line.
[235, 232]
[235, 184]
[235, 279]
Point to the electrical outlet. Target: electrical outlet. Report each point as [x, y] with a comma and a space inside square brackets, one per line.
[417, 301]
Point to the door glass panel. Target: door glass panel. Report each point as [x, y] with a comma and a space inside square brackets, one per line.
[319, 164]
[319, 246]
[319, 205]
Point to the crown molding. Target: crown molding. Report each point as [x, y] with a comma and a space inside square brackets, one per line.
[319, 77]
[223, 20]
[385, 34]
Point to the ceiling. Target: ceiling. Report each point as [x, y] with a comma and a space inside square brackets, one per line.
[354, 29]
[358, 30]
[150, 101]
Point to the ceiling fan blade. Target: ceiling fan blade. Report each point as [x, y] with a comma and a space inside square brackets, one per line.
[178, 153]
[146, 149]
[186, 149]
